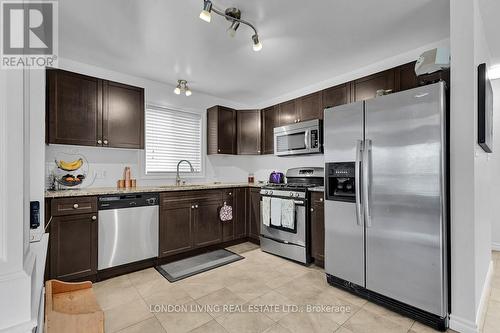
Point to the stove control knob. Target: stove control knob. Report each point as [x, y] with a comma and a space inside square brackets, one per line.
[270, 192]
[292, 194]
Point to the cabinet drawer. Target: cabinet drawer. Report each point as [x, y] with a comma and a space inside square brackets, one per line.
[72, 206]
[191, 196]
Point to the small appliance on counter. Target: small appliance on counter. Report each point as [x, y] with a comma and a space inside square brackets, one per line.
[284, 214]
[276, 177]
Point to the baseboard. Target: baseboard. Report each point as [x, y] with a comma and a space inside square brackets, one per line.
[485, 297]
[495, 246]
[466, 326]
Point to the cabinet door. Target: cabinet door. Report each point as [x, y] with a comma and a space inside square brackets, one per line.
[310, 107]
[221, 132]
[175, 226]
[228, 226]
[207, 224]
[270, 120]
[248, 132]
[254, 214]
[73, 247]
[123, 116]
[405, 77]
[288, 113]
[240, 212]
[318, 228]
[366, 88]
[338, 95]
[74, 108]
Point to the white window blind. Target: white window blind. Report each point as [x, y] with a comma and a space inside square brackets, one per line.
[172, 136]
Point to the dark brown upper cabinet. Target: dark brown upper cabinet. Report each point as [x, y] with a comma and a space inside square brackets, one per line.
[87, 111]
[310, 107]
[248, 129]
[221, 133]
[288, 113]
[270, 120]
[405, 77]
[123, 116]
[338, 95]
[366, 88]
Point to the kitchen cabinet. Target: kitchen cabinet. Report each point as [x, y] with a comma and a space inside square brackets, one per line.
[123, 116]
[228, 227]
[405, 77]
[88, 111]
[73, 240]
[317, 228]
[270, 120]
[248, 129]
[366, 88]
[335, 96]
[207, 226]
[310, 107]
[175, 229]
[240, 210]
[254, 213]
[221, 122]
[288, 113]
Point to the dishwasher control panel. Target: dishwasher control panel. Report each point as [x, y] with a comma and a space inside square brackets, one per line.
[128, 200]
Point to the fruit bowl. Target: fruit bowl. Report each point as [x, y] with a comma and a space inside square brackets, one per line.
[71, 170]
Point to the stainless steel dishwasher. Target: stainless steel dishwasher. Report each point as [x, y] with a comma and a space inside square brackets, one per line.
[128, 229]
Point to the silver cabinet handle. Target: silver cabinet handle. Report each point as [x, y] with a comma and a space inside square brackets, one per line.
[105, 142]
[99, 142]
[192, 207]
[75, 206]
[358, 180]
[218, 150]
[366, 180]
[94, 218]
[312, 209]
[230, 193]
[320, 199]
[195, 206]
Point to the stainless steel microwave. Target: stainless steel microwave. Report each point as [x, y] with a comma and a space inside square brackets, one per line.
[300, 138]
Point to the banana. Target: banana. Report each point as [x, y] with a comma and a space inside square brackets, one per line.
[70, 166]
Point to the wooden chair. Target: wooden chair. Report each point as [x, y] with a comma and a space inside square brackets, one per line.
[72, 307]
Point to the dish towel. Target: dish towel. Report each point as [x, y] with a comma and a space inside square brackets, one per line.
[288, 214]
[266, 211]
[276, 211]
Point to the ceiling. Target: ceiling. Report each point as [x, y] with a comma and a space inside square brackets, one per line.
[305, 42]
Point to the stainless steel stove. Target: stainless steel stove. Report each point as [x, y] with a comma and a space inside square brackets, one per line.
[289, 203]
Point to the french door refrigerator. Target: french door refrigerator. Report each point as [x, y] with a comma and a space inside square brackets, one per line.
[386, 201]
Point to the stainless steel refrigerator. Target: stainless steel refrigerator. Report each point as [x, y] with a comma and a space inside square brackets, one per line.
[386, 201]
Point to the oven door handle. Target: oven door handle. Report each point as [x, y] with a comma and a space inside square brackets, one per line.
[298, 202]
[358, 180]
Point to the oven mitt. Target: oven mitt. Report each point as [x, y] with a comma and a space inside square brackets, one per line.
[226, 213]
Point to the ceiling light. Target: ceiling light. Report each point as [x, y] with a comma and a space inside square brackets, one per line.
[233, 15]
[188, 92]
[257, 45]
[205, 14]
[177, 90]
[182, 87]
[494, 72]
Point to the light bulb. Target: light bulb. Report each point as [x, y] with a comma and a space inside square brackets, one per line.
[257, 45]
[188, 92]
[177, 91]
[205, 16]
[232, 29]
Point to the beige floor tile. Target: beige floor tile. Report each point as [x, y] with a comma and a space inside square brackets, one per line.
[243, 247]
[368, 322]
[493, 309]
[183, 321]
[308, 322]
[145, 275]
[421, 328]
[221, 298]
[298, 292]
[385, 313]
[126, 315]
[241, 322]
[249, 288]
[200, 289]
[118, 282]
[348, 297]
[277, 328]
[272, 304]
[151, 325]
[175, 295]
[343, 330]
[292, 269]
[154, 286]
[114, 296]
[491, 324]
[335, 308]
[211, 327]
[495, 294]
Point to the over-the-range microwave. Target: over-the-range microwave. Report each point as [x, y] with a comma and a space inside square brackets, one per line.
[300, 138]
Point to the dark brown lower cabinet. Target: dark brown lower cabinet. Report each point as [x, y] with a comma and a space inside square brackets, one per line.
[207, 226]
[228, 227]
[175, 225]
[73, 247]
[318, 228]
[254, 213]
[240, 209]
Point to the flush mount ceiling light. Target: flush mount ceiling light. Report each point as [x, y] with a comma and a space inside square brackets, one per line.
[182, 87]
[233, 15]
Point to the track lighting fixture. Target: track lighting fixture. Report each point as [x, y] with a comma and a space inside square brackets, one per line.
[233, 15]
[182, 87]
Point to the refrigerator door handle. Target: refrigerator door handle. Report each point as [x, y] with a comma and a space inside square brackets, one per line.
[357, 181]
[367, 180]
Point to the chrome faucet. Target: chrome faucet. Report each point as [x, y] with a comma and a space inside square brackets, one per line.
[178, 177]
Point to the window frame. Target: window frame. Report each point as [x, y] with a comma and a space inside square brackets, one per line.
[172, 174]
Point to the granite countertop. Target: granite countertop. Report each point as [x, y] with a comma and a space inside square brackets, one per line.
[317, 189]
[143, 189]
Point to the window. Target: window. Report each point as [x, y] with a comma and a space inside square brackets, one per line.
[172, 136]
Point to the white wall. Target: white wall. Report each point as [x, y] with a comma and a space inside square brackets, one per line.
[495, 160]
